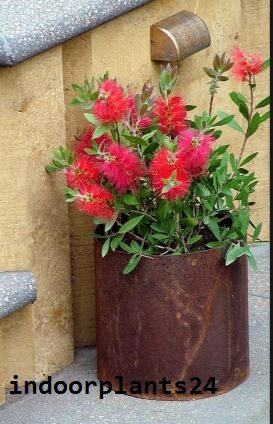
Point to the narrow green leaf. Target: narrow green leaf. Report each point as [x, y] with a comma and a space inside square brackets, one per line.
[135, 140]
[129, 225]
[160, 236]
[233, 123]
[235, 252]
[257, 232]
[102, 129]
[50, 169]
[266, 64]
[214, 227]
[132, 264]
[130, 200]
[190, 107]
[149, 135]
[202, 190]
[76, 101]
[254, 124]
[194, 239]
[248, 159]
[213, 244]
[265, 116]
[109, 225]
[263, 103]
[252, 261]
[91, 118]
[105, 247]
[115, 241]
[125, 247]
[224, 121]
[191, 222]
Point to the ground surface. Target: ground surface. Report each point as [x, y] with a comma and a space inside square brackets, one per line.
[246, 404]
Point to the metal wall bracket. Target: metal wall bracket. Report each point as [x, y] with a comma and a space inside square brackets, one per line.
[178, 37]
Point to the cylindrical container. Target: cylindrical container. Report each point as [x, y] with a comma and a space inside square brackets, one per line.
[178, 37]
[183, 318]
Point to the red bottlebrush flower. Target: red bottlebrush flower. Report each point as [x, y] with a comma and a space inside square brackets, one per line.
[144, 122]
[245, 64]
[171, 115]
[86, 142]
[85, 170]
[122, 167]
[96, 201]
[112, 104]
[169, 178]
[195, 149]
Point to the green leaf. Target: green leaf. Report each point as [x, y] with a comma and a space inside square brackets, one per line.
[194, 239]
[132, 264]
[210, 72]
[100, 130]
[160, 236]
[105, 247]
[135, 140]
[235, 251]
[248, 159]
[51, 168]
[202, 190]
[214, 227]
[190, 107]
[227, 119]
[125, 247]
[76, 101]
[252, 261]
[257, 232]
[115, 241]
[91, 118]
[149, 135]
[254, 124]
[129, 225]
[191, 222]
[244, 220]
[266, 64]
[263, 103]
[157, 228]
[265, 116]
[79, 90]
[233, 123]
[213, 244]
[151, 148]
[136, 248]
[130, 200]
[109, 225]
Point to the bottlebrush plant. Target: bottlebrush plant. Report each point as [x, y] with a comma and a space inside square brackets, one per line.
[155, 177]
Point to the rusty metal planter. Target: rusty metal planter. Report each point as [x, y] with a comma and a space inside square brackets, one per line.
[176, 317]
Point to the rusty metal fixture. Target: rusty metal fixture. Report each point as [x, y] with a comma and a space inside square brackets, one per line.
[176, 317]
[178, 37]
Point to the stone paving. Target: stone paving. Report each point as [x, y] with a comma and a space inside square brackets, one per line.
[247, 404]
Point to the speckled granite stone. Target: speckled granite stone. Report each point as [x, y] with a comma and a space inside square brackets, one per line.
[17, 289]
[28, 27]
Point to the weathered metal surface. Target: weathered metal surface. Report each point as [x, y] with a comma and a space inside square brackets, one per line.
[178, 37]
[176, 317]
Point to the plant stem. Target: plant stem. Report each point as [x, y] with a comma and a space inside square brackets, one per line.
[211, 104]
[249, 120]
[117, 131]
[145, 214]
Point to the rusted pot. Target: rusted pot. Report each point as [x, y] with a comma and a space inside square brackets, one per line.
[178, 317]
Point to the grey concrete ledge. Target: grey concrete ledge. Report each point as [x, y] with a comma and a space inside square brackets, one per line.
[17, 289]
[28, 27]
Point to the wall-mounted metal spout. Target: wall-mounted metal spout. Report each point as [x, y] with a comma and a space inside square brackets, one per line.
[178, 37]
